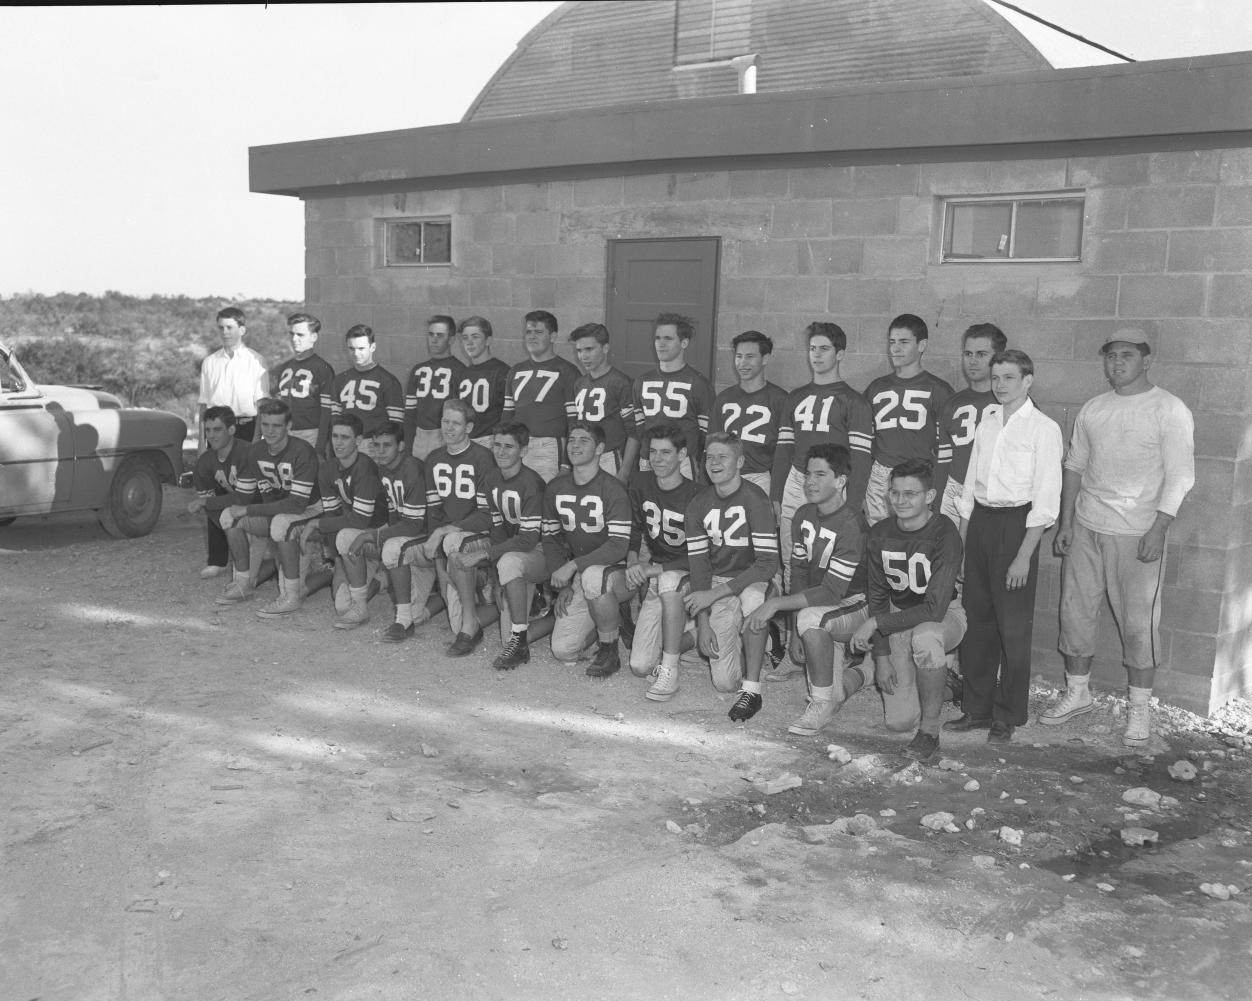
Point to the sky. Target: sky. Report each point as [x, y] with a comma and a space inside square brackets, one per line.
[126, 129]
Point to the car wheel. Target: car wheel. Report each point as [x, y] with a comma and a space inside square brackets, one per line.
[8, 521]
[134, 501]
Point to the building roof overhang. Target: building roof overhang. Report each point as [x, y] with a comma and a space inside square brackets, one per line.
[1174, 103]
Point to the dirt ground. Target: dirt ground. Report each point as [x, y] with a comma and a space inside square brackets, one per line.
[203, 805]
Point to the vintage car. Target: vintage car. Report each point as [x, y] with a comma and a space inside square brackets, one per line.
[73, 448]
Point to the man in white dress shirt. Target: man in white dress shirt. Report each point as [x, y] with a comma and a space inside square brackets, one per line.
[1012, 494]
[234, 376]
[1131, 462]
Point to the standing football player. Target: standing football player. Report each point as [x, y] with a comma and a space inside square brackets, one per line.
[965, 409]
[906, 406]
[366, 389]
[484, 383]
[430, 382]
[304, 381]
[603, 396]
[674, 392]
[540, 391]
[753, 408]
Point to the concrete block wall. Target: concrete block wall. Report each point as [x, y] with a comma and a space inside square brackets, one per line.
[1167, 240]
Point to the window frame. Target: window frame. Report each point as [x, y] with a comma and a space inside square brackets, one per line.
[384, 231]
[1013, 200]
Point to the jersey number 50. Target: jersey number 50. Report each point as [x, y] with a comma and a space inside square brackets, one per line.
[906, 573]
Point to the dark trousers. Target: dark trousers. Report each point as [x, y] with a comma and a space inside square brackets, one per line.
[997, 639]
[215, 540]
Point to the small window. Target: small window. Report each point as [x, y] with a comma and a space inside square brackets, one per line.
[417, 241]
[999, 228]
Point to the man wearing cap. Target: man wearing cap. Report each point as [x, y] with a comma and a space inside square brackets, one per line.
[1130, 464]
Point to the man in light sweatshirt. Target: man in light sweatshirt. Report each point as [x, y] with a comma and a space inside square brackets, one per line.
[1130, 464]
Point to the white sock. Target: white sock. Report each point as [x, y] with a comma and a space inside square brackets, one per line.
[1139, 696]
[751, 686]
[519, 629]
[358, 593]
[670, 660]
[1079, 684]
[826, 694]
[241, 578]
[404, 615]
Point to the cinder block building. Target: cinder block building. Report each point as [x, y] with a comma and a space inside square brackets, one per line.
[1059, 204]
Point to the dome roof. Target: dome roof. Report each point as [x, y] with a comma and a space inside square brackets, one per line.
[601, 52]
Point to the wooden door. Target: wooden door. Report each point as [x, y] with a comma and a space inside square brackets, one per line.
[647, 277]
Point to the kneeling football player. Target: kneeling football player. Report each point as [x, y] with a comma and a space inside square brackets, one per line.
[732, 543]
[515, 500]
[913, 558]
[586, 533]
[827, 585]
[657, 563]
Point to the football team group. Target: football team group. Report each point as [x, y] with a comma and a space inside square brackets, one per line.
[572, 502]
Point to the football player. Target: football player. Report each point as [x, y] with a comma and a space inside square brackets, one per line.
[484, 382]
[274, 495]
[913, 558]
[586, 534]
[366, 389]
[304, 381]
[827, 410]
[603, 396]
[965, 410]
[674, 392]
[540, 391]
[753, 408]
[906, 405]
[403, 480]
[732, 545]
[657, 563]
[430, 382]
[216, 471]
[827, 594]
[456, 512]
[514, 494]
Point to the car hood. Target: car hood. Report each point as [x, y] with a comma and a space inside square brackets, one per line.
[81, 398]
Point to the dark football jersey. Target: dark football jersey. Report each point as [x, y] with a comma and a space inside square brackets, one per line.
[589, 522]
[429, 384]
[756, 418]
[828, 413]
[404, 488]
[454, 487]
[214, 479]
[275, 483]
[305, 385]
[608, 401]
[906, 418]
[734, 537]
[660, 518]
[914, 571]
[484, 387]
[958, 421]
[828, 553]
[352, 493]
[683, 398]
[539, 394]
[374, 395]
[516, 507]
